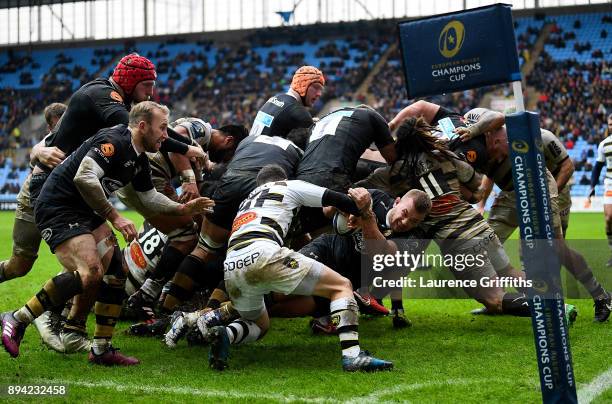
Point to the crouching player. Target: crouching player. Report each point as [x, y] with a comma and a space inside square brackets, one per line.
[257, 264]
[71, 214]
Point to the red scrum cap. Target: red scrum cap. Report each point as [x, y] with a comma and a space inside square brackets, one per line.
[131, 70]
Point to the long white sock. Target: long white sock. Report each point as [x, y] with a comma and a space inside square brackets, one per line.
[345, 314]
[242, 331]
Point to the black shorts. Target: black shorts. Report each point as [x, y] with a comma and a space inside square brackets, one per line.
[233, 188]
[60, 223]
[36, 183]
[338, 253]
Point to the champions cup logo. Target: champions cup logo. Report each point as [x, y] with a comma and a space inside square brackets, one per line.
[540, 286]
[520, 146]
[451, 39]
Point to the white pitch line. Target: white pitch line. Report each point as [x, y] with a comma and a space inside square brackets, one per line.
[377, 395]
[601, 383]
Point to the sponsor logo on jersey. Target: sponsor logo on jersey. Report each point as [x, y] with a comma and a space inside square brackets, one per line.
[451, 39]
[242, 220]
[471, 156]
[137, 255]
[116, 96]
[107, 149]
[291, 263]
[277, 102]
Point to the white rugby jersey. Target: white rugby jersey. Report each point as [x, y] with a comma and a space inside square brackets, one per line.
[604, 155]
[268, 211]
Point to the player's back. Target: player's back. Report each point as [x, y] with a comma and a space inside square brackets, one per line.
[269, 209]
[94, 106]
[255, 152]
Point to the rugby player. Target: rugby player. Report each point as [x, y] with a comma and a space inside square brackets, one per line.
[204, 264]
[220, 145]
[26, 238]
[604, 158]
[387, 218]
[71, 213]
[336, 143]
[492, 156]
[425, 163]
[99, 104]
[257, 263]
[286, 111]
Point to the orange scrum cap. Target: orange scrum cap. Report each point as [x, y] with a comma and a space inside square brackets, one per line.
[304, 77]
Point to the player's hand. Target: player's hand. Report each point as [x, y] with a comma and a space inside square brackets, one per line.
[125, 227]
[361, 197]
[50, 156]
[465, 134]
[587, 203]
[195, 152]
[189, 191]
[198, 206]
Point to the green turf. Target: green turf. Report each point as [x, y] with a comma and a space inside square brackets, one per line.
[447, 356]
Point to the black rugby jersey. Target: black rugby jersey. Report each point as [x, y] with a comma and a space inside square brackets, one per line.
[338, 140]
[279, 115]
[112, 149]
[94, 106]
[255, 152]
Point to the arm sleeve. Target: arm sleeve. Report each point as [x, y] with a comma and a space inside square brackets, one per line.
[158, 202]
[87, 181]
[112, 111]
[596, 172]
[171, 145]
[601, 157]
[172, 134]
[382, 134]
[340, 201]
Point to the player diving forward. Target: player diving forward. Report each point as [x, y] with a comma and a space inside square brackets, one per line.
[257, 263]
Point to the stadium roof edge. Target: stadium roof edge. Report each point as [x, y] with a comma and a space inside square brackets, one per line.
[33, 3]
[241, 34]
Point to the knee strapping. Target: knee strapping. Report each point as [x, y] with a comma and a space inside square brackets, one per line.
[208, 244]
[106, 244]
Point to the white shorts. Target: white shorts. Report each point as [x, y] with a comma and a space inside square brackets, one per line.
[607, 193]
[264, 267]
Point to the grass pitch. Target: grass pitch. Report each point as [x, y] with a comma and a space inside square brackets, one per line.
[447, 356]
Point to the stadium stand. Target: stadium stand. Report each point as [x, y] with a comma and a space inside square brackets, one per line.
[228, 82]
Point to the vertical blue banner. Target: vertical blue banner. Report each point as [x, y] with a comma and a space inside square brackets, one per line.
[458, 51]
[474, 48]
[540, 258]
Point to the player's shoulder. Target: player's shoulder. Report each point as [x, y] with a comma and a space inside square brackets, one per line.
[606, 142]
[102, 89]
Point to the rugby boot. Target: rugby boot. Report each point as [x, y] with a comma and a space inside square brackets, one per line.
[603, 307]
[141, 305]
[155, 327]
[49, 325]
[369, 305]
[12, 333]
[365, 362]
[219, 348]
[399, 319]
[74, 341]
[323, 326]
[178, 329]
[112, 357]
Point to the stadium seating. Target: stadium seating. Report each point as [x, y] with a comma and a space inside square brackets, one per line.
[230, 82]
